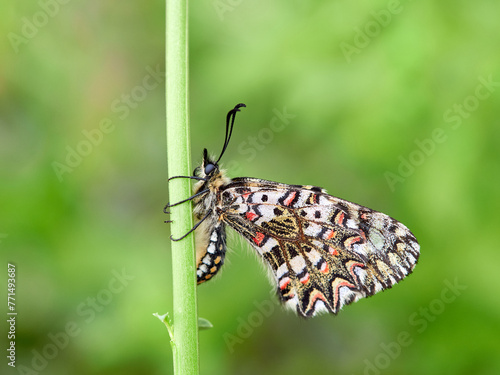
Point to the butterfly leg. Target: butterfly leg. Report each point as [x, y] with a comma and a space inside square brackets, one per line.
[168, 205]
[185, 200]
[167, 213]
[175, 204]
[193, 228]
[191, 177]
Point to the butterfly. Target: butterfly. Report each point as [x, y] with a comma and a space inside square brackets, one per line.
[323, 252]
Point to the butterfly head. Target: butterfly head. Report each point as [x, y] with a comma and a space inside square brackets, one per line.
[208, 167]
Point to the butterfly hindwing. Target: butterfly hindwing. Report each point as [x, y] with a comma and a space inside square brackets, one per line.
[323, 252]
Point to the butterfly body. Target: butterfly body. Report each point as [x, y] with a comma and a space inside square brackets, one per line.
[323, 252]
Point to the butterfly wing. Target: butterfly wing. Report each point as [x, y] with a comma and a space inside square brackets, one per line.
[324, 252]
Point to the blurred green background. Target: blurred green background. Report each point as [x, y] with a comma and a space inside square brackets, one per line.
[393, 105]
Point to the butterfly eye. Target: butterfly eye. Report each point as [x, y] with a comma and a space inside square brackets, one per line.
[209, 168]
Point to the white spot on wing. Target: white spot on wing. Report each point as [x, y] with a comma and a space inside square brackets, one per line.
[345, 293]
[361, 273]
[292, 303]
[362, 249]
[377, 239]
[281, 270]
[312, 230]
[298, 264]
[378, 287]
[314, 256]
[350, 223]
[320, 307]
[270, 243]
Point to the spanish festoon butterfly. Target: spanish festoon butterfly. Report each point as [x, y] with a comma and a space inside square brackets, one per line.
[324, 252]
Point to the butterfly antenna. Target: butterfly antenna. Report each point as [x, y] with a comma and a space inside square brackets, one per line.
[229, 127]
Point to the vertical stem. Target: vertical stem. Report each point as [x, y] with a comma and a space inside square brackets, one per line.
[185, 318]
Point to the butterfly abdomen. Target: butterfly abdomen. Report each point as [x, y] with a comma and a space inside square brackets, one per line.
[210, 254]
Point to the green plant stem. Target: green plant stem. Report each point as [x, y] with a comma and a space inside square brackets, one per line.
[185, 319]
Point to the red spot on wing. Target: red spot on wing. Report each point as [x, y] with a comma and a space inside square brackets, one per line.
[290, 198]
[325, 268]
[338, 286]
[305, 279]
[284, 283]
[259, 237]
[340, 218]
[251, 216]
[351, 268]
[318, 295]
[330, 234]
[333, 251]
[356, 265]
